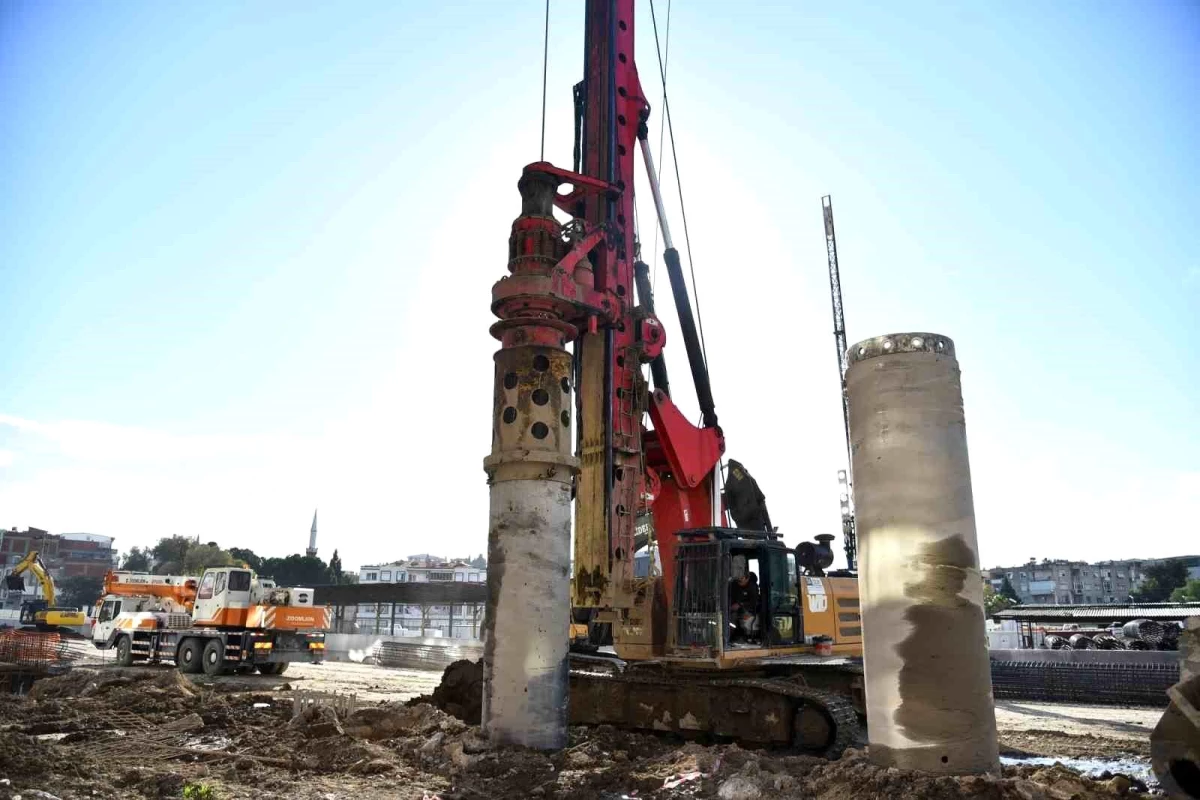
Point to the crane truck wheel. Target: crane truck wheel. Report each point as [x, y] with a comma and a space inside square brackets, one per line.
[124, 651]
[272, 669]
[213, 657]
[188, 659]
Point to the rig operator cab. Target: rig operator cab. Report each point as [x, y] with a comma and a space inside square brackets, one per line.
[743, 594]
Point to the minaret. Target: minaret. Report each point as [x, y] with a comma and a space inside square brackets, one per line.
[312, 538]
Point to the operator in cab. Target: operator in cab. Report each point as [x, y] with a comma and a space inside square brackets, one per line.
[743, 604]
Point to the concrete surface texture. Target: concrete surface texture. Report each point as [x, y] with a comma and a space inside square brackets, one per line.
[530, 472]
[928, 681]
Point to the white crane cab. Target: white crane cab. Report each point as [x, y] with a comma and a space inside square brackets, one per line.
[223, 599]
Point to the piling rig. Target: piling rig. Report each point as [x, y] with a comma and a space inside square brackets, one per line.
[789, 671]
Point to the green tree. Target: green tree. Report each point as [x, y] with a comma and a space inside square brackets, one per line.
[1188, 593]
[136, 560]
[1007, 590]
[200, 557]
[169, 554]
[1161, 580]
[246, 556]
[296, 570]
[994, 602]
[80, 591]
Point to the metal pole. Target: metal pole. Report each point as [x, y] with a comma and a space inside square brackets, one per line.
[668, 244]
[849, 537]
[683, 303]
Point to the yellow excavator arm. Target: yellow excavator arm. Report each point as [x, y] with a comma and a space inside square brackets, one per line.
[32, 562]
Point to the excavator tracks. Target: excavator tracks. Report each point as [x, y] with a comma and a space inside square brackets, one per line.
[772, 711]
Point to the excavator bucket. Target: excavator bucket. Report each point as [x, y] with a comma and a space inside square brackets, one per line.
[1175, 742]
[14, 583]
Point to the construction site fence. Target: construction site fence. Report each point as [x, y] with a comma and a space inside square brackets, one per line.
[1104, 677]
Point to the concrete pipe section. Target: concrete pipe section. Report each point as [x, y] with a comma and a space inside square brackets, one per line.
[530, 472]
[928, 682]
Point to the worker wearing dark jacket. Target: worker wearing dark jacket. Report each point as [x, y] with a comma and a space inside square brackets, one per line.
[743, 603]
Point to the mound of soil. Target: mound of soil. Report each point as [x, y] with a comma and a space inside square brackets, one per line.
[460, 693]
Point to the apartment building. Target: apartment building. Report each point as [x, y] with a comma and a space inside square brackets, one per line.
[1063, 582]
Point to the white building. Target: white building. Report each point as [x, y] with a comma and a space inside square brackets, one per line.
[457, 621]
[422, 570]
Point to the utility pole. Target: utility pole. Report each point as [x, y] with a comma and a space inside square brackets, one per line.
[846, 476]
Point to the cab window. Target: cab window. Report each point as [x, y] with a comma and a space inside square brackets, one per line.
[220, 585]
[239, 580]
[106, 611]
[206, 587]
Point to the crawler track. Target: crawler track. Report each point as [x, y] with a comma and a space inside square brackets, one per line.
[780, 710]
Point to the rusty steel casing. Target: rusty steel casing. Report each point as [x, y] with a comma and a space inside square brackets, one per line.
[530, 473]
[928, 680]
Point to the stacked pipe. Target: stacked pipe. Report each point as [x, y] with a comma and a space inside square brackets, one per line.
[1147, 630]
[1106, 641]
[1170, 639]
[1081, 641]
[1053, 642]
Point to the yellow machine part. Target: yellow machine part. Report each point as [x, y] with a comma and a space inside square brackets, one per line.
[65, 617]
[831, 609]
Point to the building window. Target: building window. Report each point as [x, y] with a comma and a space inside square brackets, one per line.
[401, 577]
[386, 575]
[371, 576]
[441, 576]
[459, 577]
[475, 577]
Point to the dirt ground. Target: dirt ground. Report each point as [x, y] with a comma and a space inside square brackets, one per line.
[1061, 729]
[103, 732]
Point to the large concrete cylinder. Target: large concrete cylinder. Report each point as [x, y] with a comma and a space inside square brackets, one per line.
[530, 471]
[928, 680]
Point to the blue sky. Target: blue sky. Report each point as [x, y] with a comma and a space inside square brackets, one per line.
[247, 249]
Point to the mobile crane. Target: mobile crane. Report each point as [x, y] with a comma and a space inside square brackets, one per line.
[789, 671]
[228, 619]
[43, 614]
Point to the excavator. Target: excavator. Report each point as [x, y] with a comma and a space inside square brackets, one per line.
[42, 614]
[729, 632]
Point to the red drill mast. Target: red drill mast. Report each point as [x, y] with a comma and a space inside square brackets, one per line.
[576, 282]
